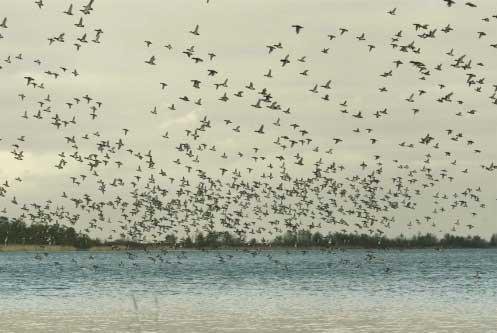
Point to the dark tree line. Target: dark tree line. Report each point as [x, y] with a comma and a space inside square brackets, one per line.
[306, 238]
[17, 232]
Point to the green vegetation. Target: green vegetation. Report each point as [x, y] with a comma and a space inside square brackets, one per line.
[18, 233]
[306, 239]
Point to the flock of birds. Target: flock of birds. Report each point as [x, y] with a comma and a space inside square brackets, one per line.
[288, 183]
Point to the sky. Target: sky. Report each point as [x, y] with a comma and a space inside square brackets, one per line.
[114, 73]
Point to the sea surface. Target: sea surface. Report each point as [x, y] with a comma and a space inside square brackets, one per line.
[249, 291]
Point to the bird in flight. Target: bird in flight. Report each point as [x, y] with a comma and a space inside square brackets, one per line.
[297, 28]
[260, 130]
[69, 10]
[195, 31]
[151, 61]
[285, 61]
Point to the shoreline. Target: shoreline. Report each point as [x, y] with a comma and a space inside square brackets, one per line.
[36, 248]
[121, 248]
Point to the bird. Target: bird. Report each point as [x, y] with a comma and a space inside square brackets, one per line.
[285, 61]
[195, 31]
[298, 28]
[69, 10]
[151, 61]
[80, 24]
[326, 85]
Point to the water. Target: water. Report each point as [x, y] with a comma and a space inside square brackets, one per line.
[272, 291]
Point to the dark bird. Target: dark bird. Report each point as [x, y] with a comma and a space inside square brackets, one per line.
[69, 10]
[195, 31]
[260, 130]
[285, 61]
[297, 28]
[151, 61]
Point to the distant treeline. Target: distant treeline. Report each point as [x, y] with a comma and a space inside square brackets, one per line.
[306, 238]
[17, 232]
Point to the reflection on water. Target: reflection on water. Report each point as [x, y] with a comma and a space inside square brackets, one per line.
[355, 290]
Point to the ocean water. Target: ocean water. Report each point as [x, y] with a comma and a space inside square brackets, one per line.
[239, 291]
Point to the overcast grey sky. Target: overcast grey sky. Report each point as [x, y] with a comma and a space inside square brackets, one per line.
[238, 32]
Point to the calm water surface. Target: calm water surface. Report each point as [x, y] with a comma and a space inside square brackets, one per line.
[236, 291]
